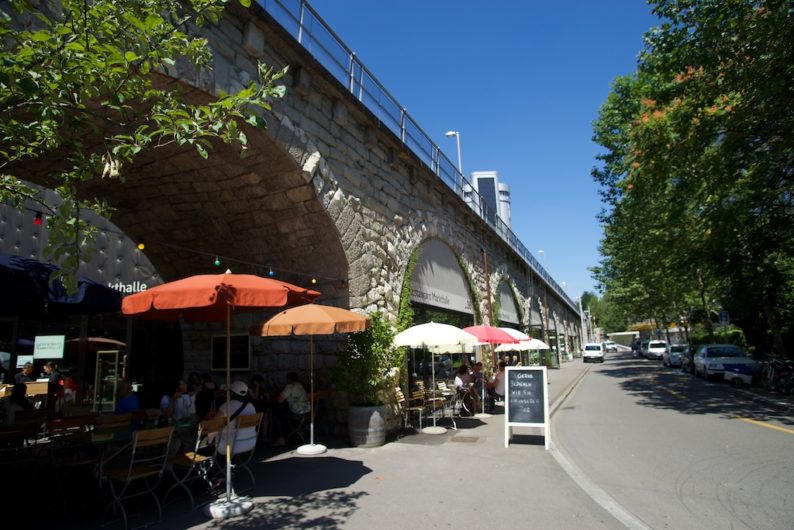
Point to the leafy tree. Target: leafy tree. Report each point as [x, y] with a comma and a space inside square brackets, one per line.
[78, 95]
[697, 168]
[362, 368]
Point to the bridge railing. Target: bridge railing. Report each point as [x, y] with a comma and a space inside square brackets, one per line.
[299, 19]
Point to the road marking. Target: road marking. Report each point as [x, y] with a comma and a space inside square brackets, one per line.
[679, 395]
[767, 425]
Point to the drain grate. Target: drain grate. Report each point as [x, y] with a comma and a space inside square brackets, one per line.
[465, 439]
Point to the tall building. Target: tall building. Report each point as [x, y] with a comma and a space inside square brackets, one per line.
[494, 196]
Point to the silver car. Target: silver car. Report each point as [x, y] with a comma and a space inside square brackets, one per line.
[714, 359]
[673, 355]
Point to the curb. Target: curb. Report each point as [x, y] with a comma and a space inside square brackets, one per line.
[570, 388]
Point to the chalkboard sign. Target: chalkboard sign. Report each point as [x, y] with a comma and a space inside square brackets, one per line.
[239, 353]
[526, 399]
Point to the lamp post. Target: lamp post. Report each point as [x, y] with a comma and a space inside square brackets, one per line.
[545, 298]
[456, 134]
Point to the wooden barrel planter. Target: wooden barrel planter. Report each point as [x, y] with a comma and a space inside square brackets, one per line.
[367, 425]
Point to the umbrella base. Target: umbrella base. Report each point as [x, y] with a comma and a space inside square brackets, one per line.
[224, 509]
[482, 415]
[311, 449]
[434, 430]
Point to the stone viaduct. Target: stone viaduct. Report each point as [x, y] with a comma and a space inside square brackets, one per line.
[329, 192]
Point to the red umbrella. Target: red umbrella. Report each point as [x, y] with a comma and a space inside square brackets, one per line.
[491, 334]
[212, 298]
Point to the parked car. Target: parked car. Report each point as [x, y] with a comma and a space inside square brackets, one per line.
[593, 352]
[688, 360]
[656, 349]
[711, 360]
[610, 346]
[674, 354]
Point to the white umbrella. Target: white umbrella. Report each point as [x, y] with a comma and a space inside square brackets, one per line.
[431, 335]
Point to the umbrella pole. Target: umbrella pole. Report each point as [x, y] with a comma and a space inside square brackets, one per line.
[312, 448]
[433, 429]
[223, 509]
[228, 402]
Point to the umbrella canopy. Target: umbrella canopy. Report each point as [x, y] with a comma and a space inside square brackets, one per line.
[518, 335]
[491, 335]
[313, 319]
[26, 288]
[212, 298]
[433, 334]
[536, 344]
[205, 297]
[521, 345]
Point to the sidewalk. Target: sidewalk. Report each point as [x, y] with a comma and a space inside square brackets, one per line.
[461, 479]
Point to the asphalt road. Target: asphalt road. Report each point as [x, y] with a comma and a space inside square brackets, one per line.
[678, 452]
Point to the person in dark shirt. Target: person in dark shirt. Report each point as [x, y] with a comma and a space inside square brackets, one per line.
[25, 375]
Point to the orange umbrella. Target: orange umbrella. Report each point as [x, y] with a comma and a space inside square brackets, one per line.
[312, 319]
[212, 298]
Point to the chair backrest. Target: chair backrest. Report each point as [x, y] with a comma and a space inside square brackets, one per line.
[148, 455]
[113, 421]
[250, 420]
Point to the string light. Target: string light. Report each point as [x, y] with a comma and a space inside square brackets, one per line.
[141, 245]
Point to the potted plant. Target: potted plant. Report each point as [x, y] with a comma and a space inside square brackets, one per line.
[364, 371]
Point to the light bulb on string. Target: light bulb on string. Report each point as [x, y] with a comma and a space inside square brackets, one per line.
[38, 219]
[141, 245]
[314, 281]
[271, 273]
[217, 261]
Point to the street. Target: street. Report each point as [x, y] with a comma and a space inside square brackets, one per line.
[675, 451]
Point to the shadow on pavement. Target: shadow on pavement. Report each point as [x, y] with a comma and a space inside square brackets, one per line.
[670, 388]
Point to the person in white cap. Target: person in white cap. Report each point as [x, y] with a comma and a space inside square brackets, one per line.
[239, 405]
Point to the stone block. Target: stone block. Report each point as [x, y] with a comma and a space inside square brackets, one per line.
[254, 40]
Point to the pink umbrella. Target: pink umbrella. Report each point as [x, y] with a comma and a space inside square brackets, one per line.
[491, 335]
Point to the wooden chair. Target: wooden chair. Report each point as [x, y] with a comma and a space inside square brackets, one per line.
[72, 457]
[409, 408]
[139, 473]
[242, 459]
[198, 464]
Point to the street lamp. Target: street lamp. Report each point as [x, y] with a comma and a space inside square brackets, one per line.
[456, 134]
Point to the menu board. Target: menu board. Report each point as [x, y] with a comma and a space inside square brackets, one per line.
[526, 399]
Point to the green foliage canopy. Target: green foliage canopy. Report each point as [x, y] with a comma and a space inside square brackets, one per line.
[76, 86]
[696, 171]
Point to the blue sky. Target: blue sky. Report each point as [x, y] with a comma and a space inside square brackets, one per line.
[522, 81]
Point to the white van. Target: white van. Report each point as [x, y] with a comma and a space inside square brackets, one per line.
[593, 352]
[656, 349]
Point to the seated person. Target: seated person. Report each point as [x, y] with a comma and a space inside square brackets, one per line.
[206, 397]
[293, 403]
[496, 387]
[126, 399]
[179, 409]
[16, 401]
[239, 405]
[464, 383]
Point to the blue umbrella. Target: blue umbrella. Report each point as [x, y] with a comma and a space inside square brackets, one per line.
[26, 287]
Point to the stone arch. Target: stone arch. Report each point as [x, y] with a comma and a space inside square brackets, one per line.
[257, 214]
[509, 306]
[437, 279]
